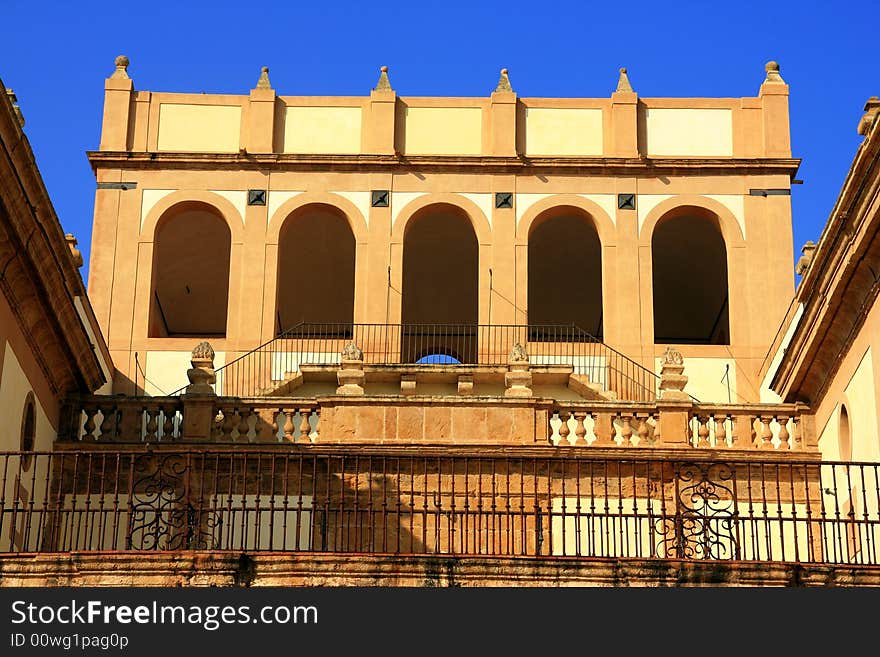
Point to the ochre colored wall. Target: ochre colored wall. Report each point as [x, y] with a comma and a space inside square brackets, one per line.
[689, 131]
[855, 384]
[444, 130]
[14, 389]
[563, 131]
[209, 128]
[322, 130]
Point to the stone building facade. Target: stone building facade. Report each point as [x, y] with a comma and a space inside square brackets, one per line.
[399, 340]
[237, 217]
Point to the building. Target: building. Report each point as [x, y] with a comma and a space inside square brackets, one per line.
[398, 340]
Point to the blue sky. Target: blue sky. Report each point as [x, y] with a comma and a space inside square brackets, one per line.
[55, 56]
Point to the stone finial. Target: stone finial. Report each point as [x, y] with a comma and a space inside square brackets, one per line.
[672, 377]
[803, 263]
[384, 84]
[15, 108]
[872, 109]
[623, 84]
[352, 352]
[263, 82]
[350, 376]
[504, 82]
[772, 69]
[673, 357]
[518, 378]
[202, 374]
[121, 68]
[75, 252]
[518, 354]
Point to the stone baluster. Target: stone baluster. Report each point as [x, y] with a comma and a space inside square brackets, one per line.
[720, 422]
[766, 432]
[783, 432]
[152, 414]
[244, 426]
[305, 428]
[564, 429]
[168, 423]
[317, 429]
[228, 424]
[642, 430]
[626, 430]
[580, 430]
[288, 425]
[702, 437]
[89, 425]
[108, 422]
[796, 438]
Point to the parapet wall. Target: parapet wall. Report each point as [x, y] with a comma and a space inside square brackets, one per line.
[621, 126]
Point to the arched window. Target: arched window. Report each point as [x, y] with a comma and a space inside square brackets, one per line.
[316, 258]
[847, 479]
[844, 438]
[190, 290]
[565, 270]
[440, 281]
[690, 279]
[28, 429]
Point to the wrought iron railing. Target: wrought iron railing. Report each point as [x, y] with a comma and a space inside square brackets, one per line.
[431, 502]
[265, 368]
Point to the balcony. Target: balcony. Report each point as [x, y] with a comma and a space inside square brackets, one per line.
[454, 502]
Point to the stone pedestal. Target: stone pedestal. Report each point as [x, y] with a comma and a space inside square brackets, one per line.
[350, 378]
[407, 384]
[518, 378]
[198, 417]
[199, 398]
[518, 381]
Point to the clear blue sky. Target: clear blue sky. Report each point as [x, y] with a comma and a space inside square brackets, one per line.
[55, 56]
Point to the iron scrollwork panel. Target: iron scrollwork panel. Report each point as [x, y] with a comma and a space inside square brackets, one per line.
[704, 523]
[163, 516]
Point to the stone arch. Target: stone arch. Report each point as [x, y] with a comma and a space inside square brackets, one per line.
[28, 436]
[221, 205]
[479, 221]
[844, 434]
[690, 277]
[315, 270]
[730, 227]
[603, 224]
[191, 271]
[565, 269]
[481, 229]
[300, 203]
[440, 283]
[356, 220]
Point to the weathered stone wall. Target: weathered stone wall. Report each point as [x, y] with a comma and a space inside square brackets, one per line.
[231, 569]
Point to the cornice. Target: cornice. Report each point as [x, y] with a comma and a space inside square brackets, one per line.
[485, 164]
[38, 275]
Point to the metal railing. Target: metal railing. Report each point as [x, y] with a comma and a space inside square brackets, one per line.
[267, 367]
[386, 502]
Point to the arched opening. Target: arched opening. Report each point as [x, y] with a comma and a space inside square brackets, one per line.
[28, 430]
[850, 507]
[844, 438]
[190, 287]
[565, 270]
[691, 299]
[440, 284]
[316, 254]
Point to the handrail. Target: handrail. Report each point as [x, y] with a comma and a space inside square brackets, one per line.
[268, 365]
